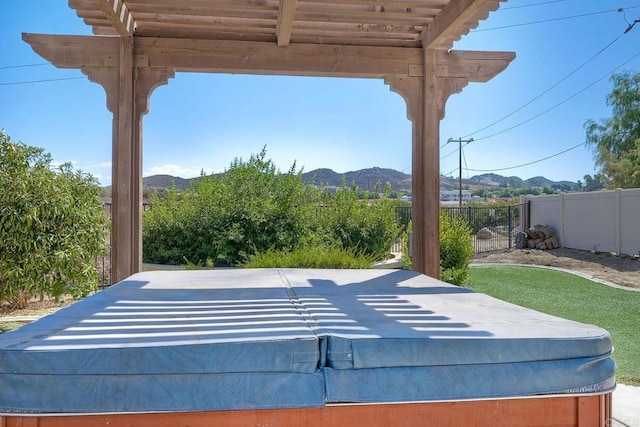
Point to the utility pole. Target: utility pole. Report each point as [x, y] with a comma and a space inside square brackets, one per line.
[460, 141]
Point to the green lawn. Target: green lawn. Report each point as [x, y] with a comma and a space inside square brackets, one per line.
[572, 297]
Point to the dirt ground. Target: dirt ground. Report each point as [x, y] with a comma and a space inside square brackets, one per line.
[621, 270]
[36, 307]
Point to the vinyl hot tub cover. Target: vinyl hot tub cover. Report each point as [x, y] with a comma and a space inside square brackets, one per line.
[230, 339]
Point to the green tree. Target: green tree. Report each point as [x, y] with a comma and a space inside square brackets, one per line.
[593, 183]
[52, 226]
[547, 190]
[616, 141]
[480, 193]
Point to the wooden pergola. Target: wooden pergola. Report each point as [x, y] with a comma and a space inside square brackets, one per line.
[140, 44]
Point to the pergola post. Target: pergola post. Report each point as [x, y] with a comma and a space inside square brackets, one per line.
[126, 191]
[136, 83]
[426, 96]
[128, 87]
[418, 93]
[424, 103]
[426, 175]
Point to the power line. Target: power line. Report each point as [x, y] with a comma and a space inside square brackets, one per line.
[40, 81]
[24, 65]
[466, 167]
[546, 91]
[561, 102]
[544, 21]
[450, 154]
[527, 164]
[455, 151]
[450, 172]
[546, 111]
[550, 89]
[530, 5]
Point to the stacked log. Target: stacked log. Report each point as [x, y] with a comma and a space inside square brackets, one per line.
[539, 237]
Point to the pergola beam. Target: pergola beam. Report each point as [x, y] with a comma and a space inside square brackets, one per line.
[286, 12]
[265, 58]
[476, 66]
[76, 51]
[118, 15]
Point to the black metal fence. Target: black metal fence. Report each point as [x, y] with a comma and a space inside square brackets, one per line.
[493, 227]
[103, 262]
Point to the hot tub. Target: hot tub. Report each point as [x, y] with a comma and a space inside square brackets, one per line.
[297, 341]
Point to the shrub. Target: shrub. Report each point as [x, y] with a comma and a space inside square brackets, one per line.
[456, 249]
[169, 229]
[310, 257]
[250, 208]
[253, 208]
[52, 226]
[407, 262]
[360, 225]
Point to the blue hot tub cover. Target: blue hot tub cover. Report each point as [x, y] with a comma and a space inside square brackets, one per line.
[287, 338]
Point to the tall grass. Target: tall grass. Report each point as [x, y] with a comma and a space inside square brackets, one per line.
[310, 257]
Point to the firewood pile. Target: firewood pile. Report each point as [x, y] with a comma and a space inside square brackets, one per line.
[537, 237]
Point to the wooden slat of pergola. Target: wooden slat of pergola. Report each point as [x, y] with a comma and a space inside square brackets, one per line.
[142, 43]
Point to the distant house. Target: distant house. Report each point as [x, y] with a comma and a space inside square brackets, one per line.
[454, 195]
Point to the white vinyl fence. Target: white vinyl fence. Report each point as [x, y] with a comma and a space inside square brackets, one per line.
[601, 221]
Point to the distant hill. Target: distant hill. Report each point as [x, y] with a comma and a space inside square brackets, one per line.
[366, 179]
[540, 181]
[494, 180]
[323, 177]
[163, 182]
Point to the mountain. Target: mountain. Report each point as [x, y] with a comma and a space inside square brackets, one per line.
[540, 181]
[323, 177]
[494, 180]
[366, 179]
[163, 182]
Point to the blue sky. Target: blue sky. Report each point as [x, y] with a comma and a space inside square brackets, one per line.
[203, 121]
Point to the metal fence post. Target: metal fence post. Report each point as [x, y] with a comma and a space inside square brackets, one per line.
[509, 225]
